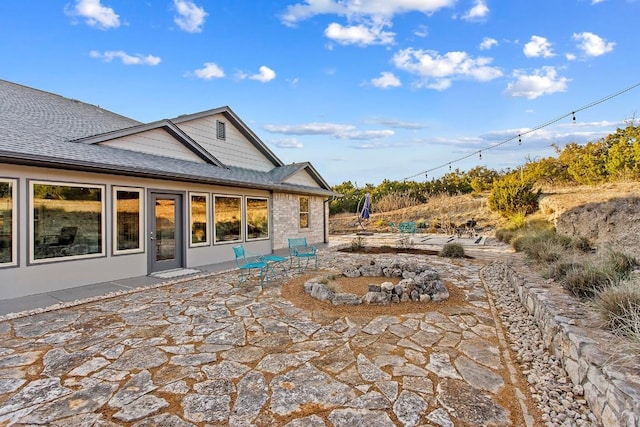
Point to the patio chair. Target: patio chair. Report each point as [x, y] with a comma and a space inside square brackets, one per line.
[300, 250]
[246, 264]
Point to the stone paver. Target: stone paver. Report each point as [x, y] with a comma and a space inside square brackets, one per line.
[203, 352]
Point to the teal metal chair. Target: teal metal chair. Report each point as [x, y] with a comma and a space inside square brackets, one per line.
[246, 264]
[300, 250]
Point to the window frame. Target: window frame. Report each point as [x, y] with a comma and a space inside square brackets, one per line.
[207, 202]
[31, 245]
[14, 222]
[141, 220]
[246, 219]
[301, 212]
[215, 216]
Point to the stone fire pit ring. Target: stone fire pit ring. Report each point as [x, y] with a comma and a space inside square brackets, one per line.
[420, 283]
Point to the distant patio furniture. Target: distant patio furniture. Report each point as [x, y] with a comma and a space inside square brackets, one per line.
[300, 250]
[407, 227]
[59, 244]
[246, 264]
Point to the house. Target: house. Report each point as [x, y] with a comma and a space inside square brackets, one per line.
[88, 196]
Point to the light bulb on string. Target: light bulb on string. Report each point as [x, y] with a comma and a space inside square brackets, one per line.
[573, 113]
[480, 155]
[519, 140]
[449, 166]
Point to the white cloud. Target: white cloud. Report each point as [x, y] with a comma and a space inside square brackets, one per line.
[570, 56]
[287, 143]
[422, 31]
[592, 44]
[478, 12]
[265, 75]
[209, 71]
[359, 34]
[438, 71]
[360, 8]
[394, 123]
[386, 80]
[544, 81]
[487, 43]
[338, 131]
[366, 134]
[190, 17]
[95, 14]
[538, 46]
[126, 59]
[310, 129]
[596, 1]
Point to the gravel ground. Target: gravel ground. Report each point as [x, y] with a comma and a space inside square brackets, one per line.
[560, 402]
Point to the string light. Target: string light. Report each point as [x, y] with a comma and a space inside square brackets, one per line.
[480, 154]
[542, 126]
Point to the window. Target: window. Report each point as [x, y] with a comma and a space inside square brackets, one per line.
[257, 218]
[304, 212]
[8, 225]
[220, 130]
[67, 220]
[227, 211]
[127, 220]
[199, 206]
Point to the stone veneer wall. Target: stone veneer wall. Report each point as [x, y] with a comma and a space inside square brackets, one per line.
[286, 216]
[571, 333]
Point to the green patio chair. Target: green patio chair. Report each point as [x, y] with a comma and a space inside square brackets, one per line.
[246, 264]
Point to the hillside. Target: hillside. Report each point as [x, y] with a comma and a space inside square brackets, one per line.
[608, 215]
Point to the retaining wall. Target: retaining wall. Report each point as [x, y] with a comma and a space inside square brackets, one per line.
[571, 333]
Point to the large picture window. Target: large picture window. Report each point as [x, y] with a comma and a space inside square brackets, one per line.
[304, 212]
[127, 220]
[8, 224]
[199, 206]
[67, 220]
[257, 214]
[227, 211]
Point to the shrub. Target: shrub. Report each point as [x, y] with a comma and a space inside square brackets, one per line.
[357, 244]
[506, 235]
[581, 244]
[542, 245]
[511, 195]
[517, 221]
[620, 264]
[586, 280]
[620, 307]
[558, 270]
[452, 250]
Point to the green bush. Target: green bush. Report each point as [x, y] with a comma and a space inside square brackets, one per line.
[511, 195]
[452, 250]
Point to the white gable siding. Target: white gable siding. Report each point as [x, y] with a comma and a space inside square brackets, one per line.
[234, 150]
[302, 178]
[156, 141]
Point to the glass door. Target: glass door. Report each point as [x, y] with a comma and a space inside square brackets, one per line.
[166, 242]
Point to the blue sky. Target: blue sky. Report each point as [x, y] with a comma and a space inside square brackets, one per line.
[363, 89]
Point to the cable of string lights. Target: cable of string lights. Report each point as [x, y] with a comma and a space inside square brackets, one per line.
[521, 134]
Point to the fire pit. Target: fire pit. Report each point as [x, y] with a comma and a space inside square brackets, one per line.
[420, 283]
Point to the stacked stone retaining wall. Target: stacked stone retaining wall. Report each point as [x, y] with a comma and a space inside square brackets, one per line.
[571, 332]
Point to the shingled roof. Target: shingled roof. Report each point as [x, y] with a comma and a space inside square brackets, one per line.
[42, 129]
